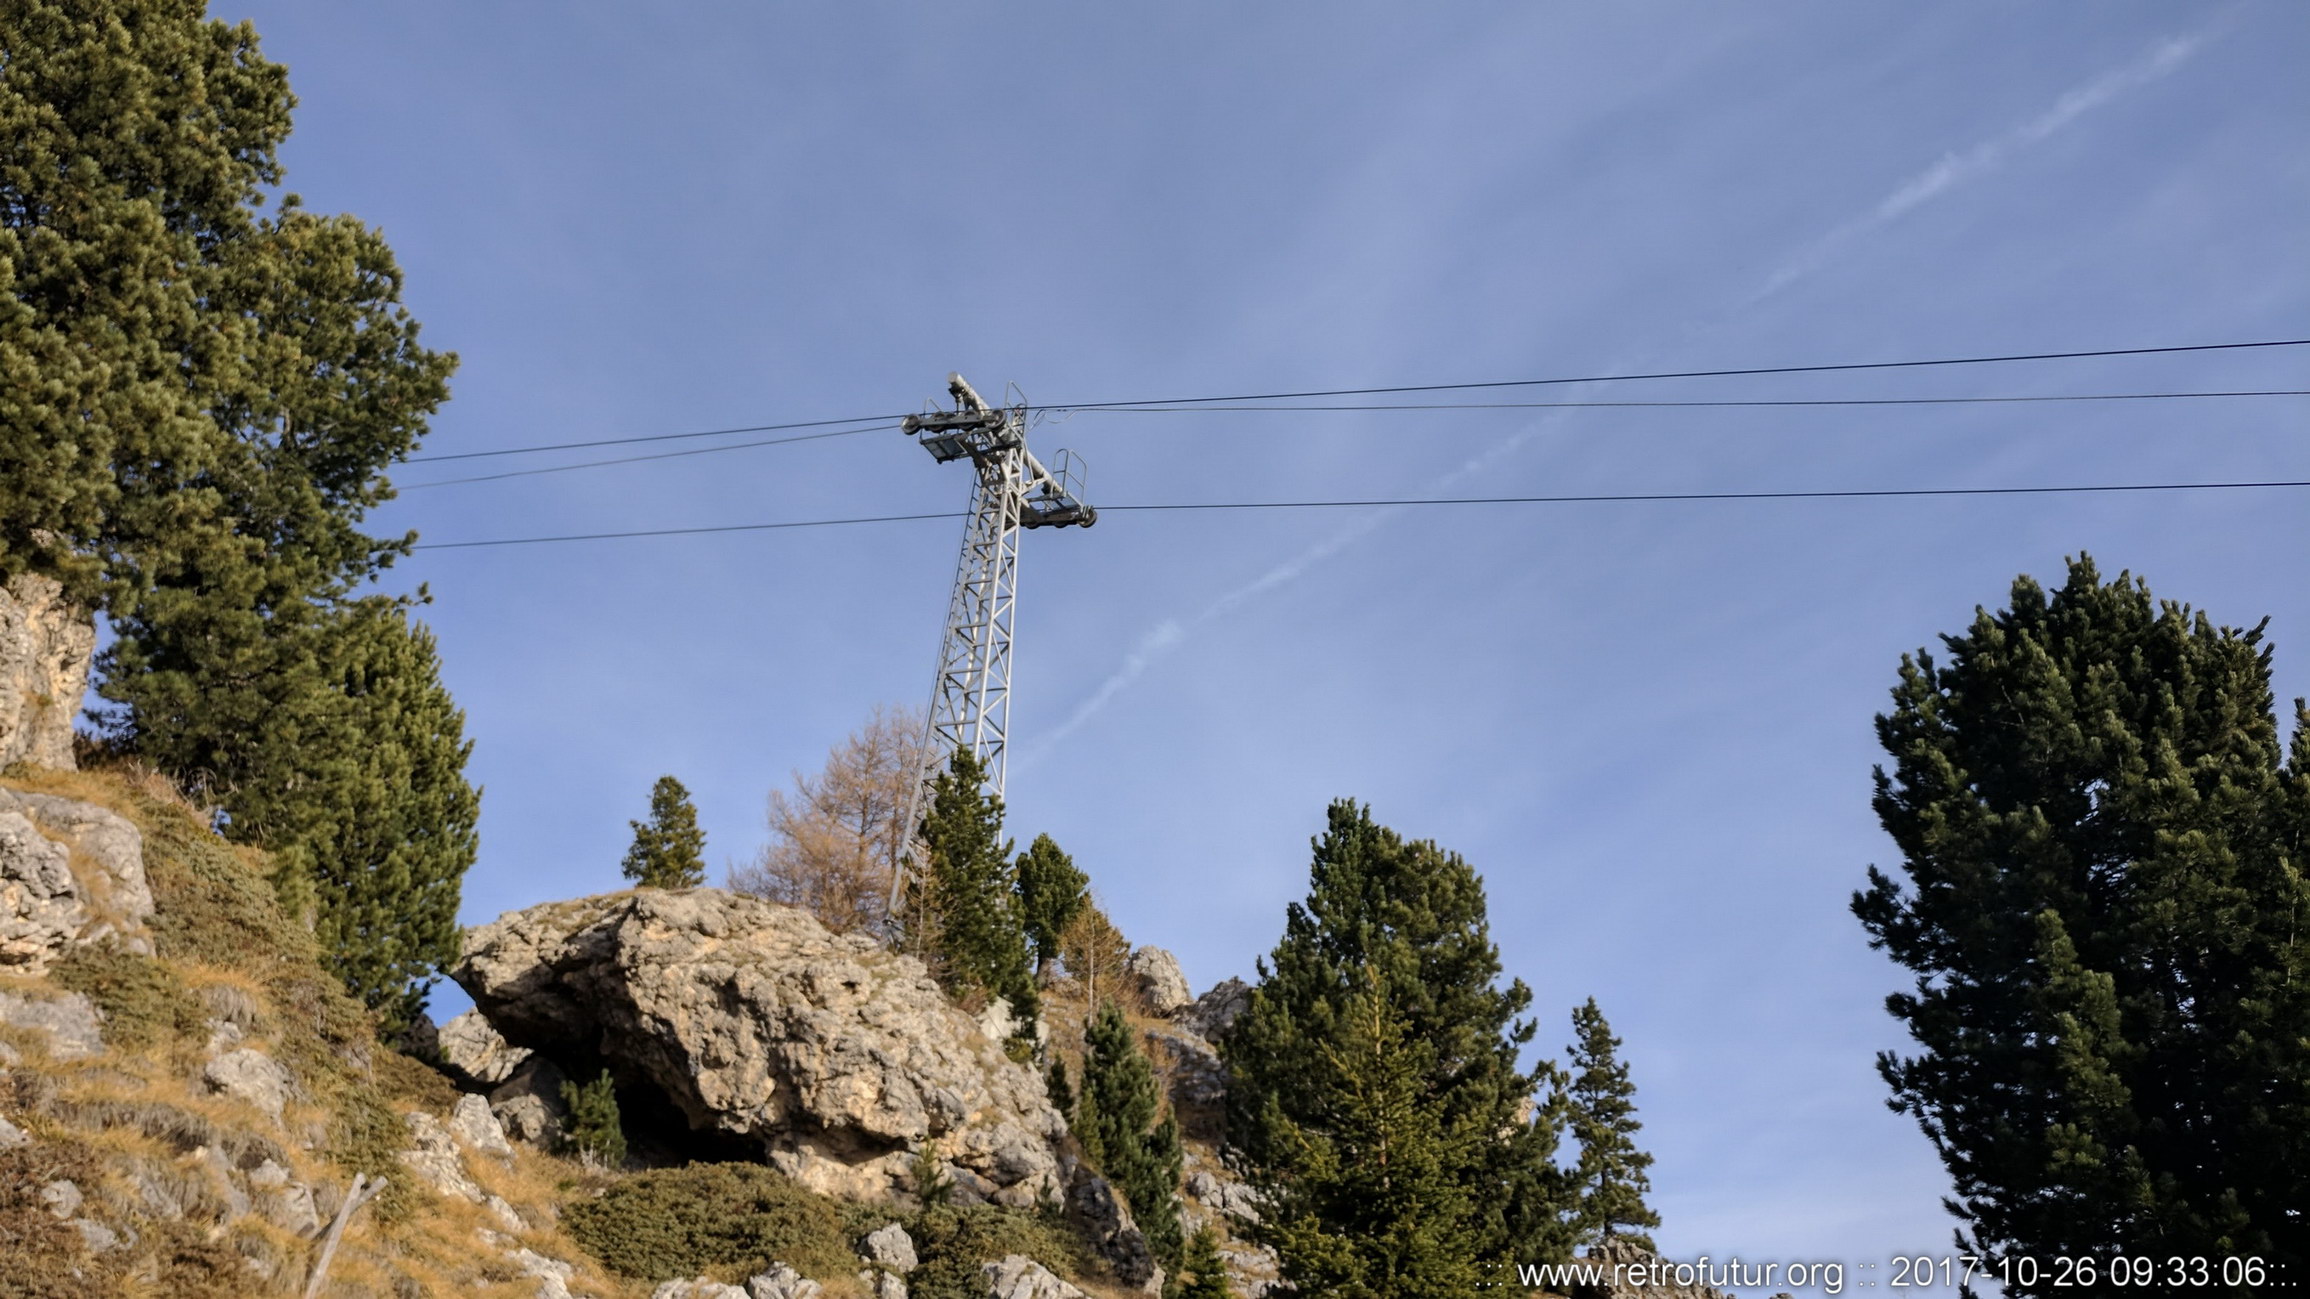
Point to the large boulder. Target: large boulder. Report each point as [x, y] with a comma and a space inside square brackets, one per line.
[1215, 1012]
[70, 873]
[473, 1053]
[1161, 984]
[45, 642]
[839, 1059]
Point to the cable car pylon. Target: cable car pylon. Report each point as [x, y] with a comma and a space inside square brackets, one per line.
[970, 697]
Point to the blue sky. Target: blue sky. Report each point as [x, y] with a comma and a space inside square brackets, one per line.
[1647, 724]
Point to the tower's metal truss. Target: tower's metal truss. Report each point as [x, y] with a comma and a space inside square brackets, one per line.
[970, 699]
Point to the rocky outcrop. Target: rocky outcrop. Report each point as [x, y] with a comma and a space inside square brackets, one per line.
[890, 1247]
[473, 1053]
[529, 1105]
[1161, 984]
[44, 647]
[67, 1023]
[1015, 1276]
[70, 873]
[251, 1077]
[840, 1060]
[1216, 1011]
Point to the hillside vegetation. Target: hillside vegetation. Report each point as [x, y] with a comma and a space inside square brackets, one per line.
[190, 1190]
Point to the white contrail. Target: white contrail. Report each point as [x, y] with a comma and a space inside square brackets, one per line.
[1955, 168]
[1927, 185]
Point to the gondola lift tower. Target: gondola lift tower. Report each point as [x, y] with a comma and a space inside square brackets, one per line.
[1011, 490]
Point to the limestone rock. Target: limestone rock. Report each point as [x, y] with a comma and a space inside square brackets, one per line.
[551, 1274]
[782, 1282]
[473, 1052]
[98, 1237]
[284, 1202]
[61, 1198]
[751, 1020]
[1015, 1276]
[476, 1129]
[432, 1155]
[69, 1021]
[1160, 981]
[889, 1246]
[45, 643]
[70, 873]
[1107, 1219]
[883, 1285]
[528, 1105]
[251, 1076]
[1216, 1011]
[11, 1136]
[1224, 1195]
[702, 1288]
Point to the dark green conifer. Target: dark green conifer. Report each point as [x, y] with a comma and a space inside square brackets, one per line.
[966, 910]
[2105, 909]
[1051, 891]
[1409, 918]
[1610, 1178]
[1059, 1089]
[669, 850]
[204, 390]
[1202, 1270]
[595, 1129]
[1120, 1121]
[371, 821]
[1371, 1199]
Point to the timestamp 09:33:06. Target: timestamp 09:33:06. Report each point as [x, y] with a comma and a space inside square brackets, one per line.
[2116, 1271]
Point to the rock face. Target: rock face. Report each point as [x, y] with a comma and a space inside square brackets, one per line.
[69, 1021]
[1015, 1276]
[70, 873]
[1216, 1011]
[839, 1059]
[44, 648]
[473, 1052]
[1160, 981]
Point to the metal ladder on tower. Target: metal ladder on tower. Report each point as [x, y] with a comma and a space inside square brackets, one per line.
[970, 698]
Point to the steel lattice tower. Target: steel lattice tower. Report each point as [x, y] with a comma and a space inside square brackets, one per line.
[970, 697]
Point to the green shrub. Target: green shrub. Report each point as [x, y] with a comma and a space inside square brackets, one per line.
[725, 1220]
[144, 1002]
[953, 1243]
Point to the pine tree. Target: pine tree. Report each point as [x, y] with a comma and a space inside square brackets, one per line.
[1051, 892]
[201, 393]
[968, 892]
[1369, 1201]
[1124, 1133]
[1411, 918]
[373, 837]
[204, 390]
[1202, 1270]
[669, 849]
[1610, 1177]
[1059, 1089]
[595, 1130]
[2104, 906]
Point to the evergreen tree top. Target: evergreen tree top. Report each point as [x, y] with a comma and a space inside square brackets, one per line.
[2103, 851]
[668, 851]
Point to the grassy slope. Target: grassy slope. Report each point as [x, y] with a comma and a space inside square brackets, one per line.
[137, 1117]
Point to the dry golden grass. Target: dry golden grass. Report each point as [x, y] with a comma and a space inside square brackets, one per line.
[138, 1121]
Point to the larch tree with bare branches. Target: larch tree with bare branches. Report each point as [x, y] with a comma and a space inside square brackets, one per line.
[836, 839]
